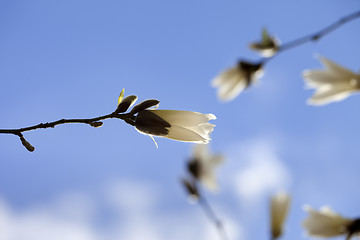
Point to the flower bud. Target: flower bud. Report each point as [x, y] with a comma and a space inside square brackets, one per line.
[268, 46]
[126, 103]
[26, 144]
[144, 105]
[279, 207]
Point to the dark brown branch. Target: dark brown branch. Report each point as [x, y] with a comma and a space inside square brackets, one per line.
[128, 118]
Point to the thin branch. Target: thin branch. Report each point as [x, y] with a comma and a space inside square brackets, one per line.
[212, 216]
[128, 118]
[317, 35]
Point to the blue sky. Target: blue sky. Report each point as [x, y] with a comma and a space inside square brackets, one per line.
[71, 59]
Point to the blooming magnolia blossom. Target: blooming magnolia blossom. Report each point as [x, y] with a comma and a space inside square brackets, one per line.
[327, 223]
[332, 84]
[233, 81]
[203, 164]
[279, 207]
[182, 126]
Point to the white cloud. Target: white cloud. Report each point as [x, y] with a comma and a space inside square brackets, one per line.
[43, 223]
[260, 171]
[137, 211]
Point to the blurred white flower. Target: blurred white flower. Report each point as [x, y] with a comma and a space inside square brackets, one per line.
[182, 126]
[203, 164]
[333, 84]
[268, 45]
[325, 223]
[279, 207]
[233, 81]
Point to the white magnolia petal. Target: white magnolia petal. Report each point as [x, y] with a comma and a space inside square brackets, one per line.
[279, 207]
[207, 164]
[225, 76]
[183, 118]
[229, 90]
[185, 135]
[337, 69]
[325, 223]
[316, 78]
[209, 181]
[200, 151]
[216, 160]
[333, 84]
[325, 95]
[203, 130]
[230, 83]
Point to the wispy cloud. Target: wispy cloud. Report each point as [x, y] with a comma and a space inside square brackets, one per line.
[259, 170]
[136, 215]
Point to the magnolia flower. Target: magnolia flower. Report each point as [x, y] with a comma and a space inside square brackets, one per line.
[203, 164]
[279, 206]
[182, 126]
[233, 81]
[327, 223]
[268, 45]
[333, 84]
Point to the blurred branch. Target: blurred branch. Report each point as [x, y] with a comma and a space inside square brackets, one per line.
[317, 35]
[212, 216]
[94, 122]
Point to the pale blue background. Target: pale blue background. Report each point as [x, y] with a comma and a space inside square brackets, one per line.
[71, 59]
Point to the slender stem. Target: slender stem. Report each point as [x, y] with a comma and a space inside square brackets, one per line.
[62, 121]
[128, 118]
[317, 35]
[212, 216]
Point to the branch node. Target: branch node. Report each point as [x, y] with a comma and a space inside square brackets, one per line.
[96, 124]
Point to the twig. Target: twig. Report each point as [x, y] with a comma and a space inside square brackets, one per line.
[321, 33]
[317, 35]
[128, 118]
[212, 216]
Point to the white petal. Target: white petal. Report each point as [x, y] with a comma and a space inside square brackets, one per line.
[325, 95]
[279, 208]
[337, 69]
[315, 78]
[209, 181]
[230, 83]
[200, 151]
[231, 89]
[325, 223]
[183, 118]
[216, 160]
[225, 76]
[185, 135]
[203, 130]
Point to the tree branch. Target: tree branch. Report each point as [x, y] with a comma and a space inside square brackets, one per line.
[94, 122]
[315, 36]
[212, 216]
